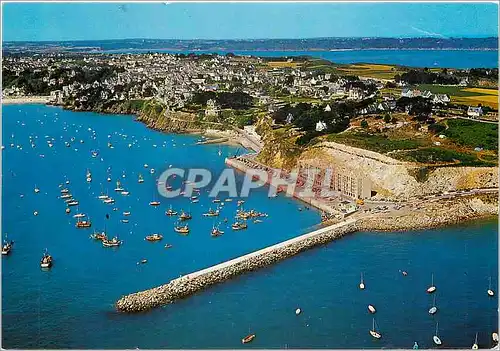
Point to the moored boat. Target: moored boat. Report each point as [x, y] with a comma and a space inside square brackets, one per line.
[248, 338]
[490, 291]
[154, 237]
[374, 332]
[239, 225]
[436, 338]
[141, 179]
[211, 213]
[7, 247]
[170, 212]
[216, 231]
[83, 224]
[431, 288]
[362, 284]
[434, 308]
[46, 261]
[182, 229]
[372, 309]
[184, 216]
[98, 236]
[111, 243]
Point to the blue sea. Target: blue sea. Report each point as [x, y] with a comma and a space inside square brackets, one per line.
[412, 58]
[71, 306]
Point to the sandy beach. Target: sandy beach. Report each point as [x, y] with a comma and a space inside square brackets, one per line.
[25, 100]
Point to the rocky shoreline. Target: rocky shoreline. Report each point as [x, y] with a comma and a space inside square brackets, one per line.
[192, 283]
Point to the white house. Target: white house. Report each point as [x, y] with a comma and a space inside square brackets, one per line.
[474, 112]
[320, 126]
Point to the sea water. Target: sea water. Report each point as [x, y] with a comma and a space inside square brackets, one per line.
[71, 305]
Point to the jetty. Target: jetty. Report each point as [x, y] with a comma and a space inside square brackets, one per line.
[189, 284]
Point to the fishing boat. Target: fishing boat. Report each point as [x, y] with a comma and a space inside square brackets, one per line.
[182, 229]
[436, 338]
[83, 224]
[72, 203]
[362, 284]
[154, 237]
[475, 346]
[374, 332]
[248, 338]
[239, 225]
[46, 261]
[118, 186]
[64, 191]
[7, 246]
[211, 213]
[490, 291]
[65, 196]
[184, 216]
[154, 203]
[216, 231]
[141, 179]
[434, 308]
[109, 200]
[111, 243]
[170, 212]
[431, 288]
[372, 309]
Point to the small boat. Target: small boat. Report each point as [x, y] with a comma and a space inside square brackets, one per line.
[7, 247]
[228, 199]
[248, 338]
[494, 337]
[37, 190]
[372, 309]
[83, 224]
[239, 225]
[124, 220]
[216, 231]
[195, 201]
[215, 201]
[154, 237]
[98, 236]
[475, 346]
[126, 213]
[109, 200]
[373, 331]
[46, 261]
[415, 346]
[257, 221]
[141, 179]
[170, 212]
[108, 179]
[433, 309]
[405, 273]
[68, 210]
[125, 192]
[182, 229]
[111, 243]
[298, 311]
[143, 261]
[490, 291]
[64, 191]
[211, 213]
[154, 203]
[240, 202]
[79, 215]
[431, 288]
[66, 196]
[146, 165]
[168, 246]
[72, 203]
[118, 187]
[184, 216]
[362, 284]
[436, 338]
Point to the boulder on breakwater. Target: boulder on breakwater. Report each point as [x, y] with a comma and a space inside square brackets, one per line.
[194, 282]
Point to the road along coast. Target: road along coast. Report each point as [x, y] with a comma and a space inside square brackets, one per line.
[191, 283]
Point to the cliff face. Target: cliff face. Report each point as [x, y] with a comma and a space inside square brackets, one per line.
[395, 179]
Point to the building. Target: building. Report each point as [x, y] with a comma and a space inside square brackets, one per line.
[320, 126]
[474, 112]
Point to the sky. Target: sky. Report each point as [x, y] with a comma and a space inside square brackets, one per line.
[170, 20]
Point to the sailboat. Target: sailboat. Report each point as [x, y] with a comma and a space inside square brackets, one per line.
[475, 346]
[436, 338]
[184, 216]
[434, 308]
[431, 288]
[7, 246]
[46, 261]
[216, 231]
[219, 152]
[170, 211]
[141, 179]
[373, 331]
[490, 291]
[155, 202]
[119, 186]
[362, 284]
[181, 229]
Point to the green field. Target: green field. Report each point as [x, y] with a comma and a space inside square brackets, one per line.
[472, 134]
[433, 155]
[373, 142]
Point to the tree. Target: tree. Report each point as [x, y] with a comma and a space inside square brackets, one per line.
[364, 124]
[387, 118]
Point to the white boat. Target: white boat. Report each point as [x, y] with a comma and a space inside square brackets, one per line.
[436, 338]
[109, 201]
[475, 346]
[141, 179]
[362, 284]
[79, 215]
[434, 308]
[103, 197]
[37, 190]
[125, 192]
[66, 196]
[494, 337]
[7, 246]
[118, 186]
[126, 213]
[372, 309]
[490, 291]
[72, 203]
[431, 288]
[298, 311]
[373, 331]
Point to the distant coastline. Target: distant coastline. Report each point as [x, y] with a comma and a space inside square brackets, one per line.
[25, 100]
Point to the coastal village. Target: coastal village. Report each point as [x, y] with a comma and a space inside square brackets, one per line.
[392, 151]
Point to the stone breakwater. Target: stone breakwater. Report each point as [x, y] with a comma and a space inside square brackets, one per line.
[189, 284]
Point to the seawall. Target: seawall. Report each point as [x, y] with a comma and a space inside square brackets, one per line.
[191, 283]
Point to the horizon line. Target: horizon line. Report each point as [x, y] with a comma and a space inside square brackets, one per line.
[257, 39]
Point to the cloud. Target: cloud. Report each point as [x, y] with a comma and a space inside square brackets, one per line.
[432, 34]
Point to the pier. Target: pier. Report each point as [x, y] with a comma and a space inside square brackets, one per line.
[191, 283]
